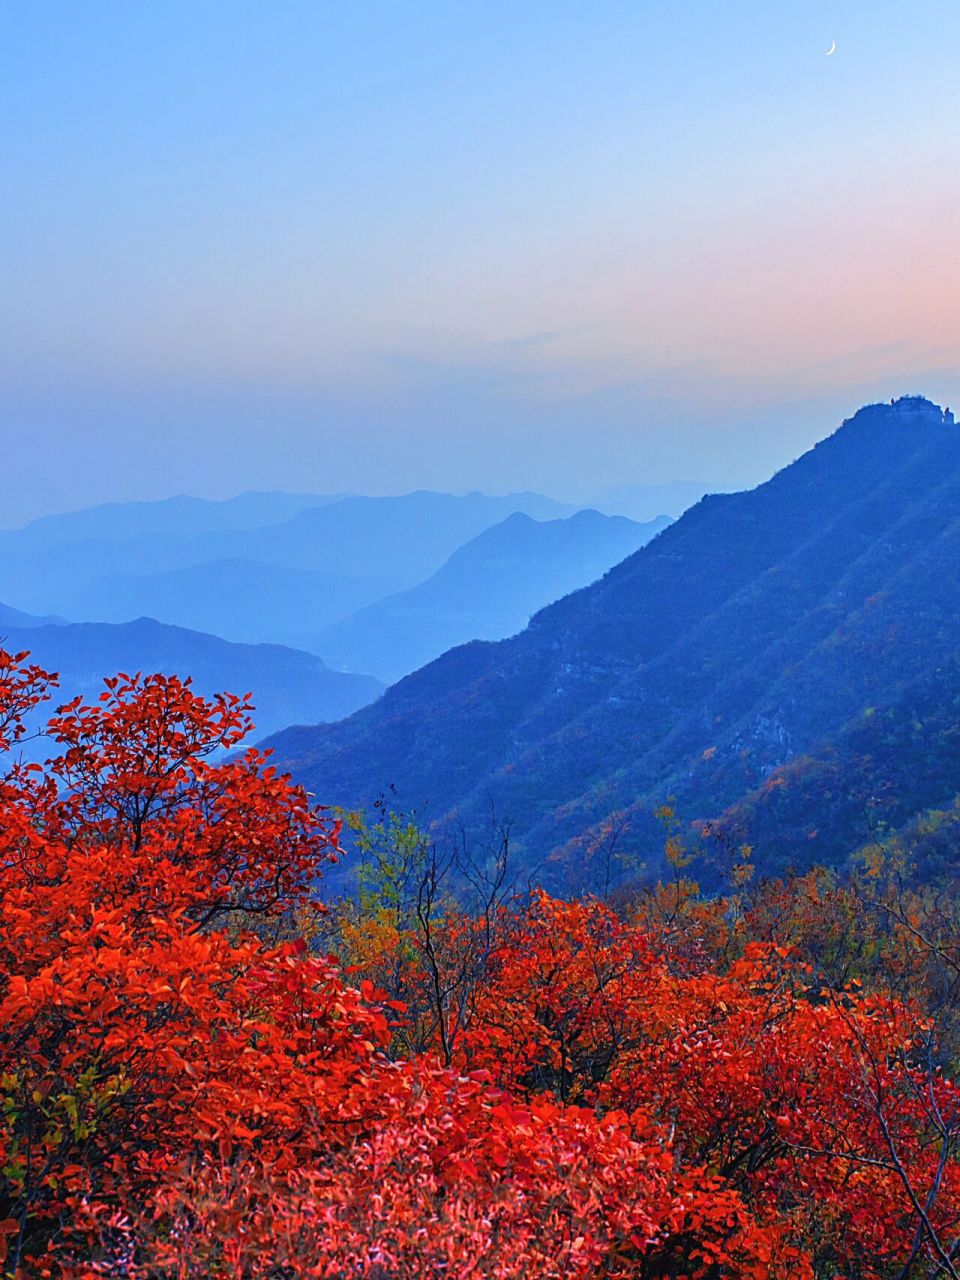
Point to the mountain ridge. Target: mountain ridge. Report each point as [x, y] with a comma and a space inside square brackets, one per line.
[11, 617]
[487, 589]
[398, 541]
[280, 678]
[618, 690]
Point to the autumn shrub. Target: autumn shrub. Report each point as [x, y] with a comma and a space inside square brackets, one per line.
[191, 1086]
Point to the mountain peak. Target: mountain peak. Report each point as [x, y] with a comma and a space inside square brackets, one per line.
[908, 410]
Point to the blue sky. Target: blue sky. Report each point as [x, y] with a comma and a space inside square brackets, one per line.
[383, 246]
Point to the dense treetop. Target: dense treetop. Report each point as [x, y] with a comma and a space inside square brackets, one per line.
[204, 1073]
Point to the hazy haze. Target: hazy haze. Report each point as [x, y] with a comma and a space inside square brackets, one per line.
[523, 245]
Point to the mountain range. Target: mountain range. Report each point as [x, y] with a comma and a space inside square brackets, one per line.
[487, 590]
[10, 617]
[242, 600]
[808, 627]
[210, 566]
[285, 682]
[182, 515]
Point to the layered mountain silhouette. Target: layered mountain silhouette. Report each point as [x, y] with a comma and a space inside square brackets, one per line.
[238, 599]
[283, 681]
[757, 630]
[487, 590]
[647, 501]
[102, 565]
[182, 515]
[10, 617]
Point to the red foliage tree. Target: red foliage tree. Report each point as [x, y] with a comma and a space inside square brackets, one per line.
[187, 1089]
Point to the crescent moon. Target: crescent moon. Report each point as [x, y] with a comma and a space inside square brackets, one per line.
[832, 49]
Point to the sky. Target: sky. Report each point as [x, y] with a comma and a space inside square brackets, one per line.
[376, 247]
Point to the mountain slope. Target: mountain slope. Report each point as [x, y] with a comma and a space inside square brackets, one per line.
[284, 682]
[487, 590]
[754, 628]
[887, 765]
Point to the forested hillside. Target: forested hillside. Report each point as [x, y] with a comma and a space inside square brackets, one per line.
[753, 631]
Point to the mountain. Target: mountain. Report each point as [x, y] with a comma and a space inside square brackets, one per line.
[392, 542]
[487, 590]
[404, 539]
[10, 617]
[238, 599]
[646, 501]
[756, 630]
[892, 774]
[182, 515]
[285, 682]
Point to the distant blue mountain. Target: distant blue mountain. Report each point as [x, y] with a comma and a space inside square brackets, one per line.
[70, 563]
[646, 501]
[487, 590]
[286, 684]
[10, 617]
[242, 600]
[402, 539]
[182, 515]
